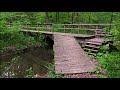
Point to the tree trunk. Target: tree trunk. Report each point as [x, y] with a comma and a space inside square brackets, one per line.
[72, 18]
[79, 17]
[57, 16]
[47, 17]
[89, 17]
[111, 20]
[68, 16]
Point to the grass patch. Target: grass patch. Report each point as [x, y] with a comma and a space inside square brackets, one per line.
[51, 69]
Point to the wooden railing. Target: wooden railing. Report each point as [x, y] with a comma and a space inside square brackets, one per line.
[84, 26]
[64, 27]
[38, 26]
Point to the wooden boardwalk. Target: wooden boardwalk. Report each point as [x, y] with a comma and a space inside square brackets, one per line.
[67, 34]
[70, 57]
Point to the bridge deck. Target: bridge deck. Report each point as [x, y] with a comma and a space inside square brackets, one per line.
[70, 57]
[67, 34]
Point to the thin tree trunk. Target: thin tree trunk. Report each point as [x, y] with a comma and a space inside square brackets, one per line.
[72, 18]
[111, 20]
[58, 17]
[47, 17]
[89, 17]
[68, 16]
[79, 18]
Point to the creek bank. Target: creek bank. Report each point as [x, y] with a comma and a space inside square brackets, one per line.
[35, 57]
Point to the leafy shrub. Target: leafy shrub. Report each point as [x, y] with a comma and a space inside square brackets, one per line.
[29, 73]
[111, 64]
[51, 69]
[104, 49]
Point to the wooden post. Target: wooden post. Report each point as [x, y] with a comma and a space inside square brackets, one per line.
[78, 29]
[48, 27]
[27, 25]
[96, 26]
[37, 26]
[64, 28]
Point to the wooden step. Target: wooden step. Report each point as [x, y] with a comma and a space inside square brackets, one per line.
[92, 50]
[93, 43]
[100, 32]
[103, 35]
[94, 54]
[93, 46]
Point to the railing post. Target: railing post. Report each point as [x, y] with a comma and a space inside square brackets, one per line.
[71, 28]
[96, 26]
[78, 29]
[37, 26]
[64, 28]
[49, 27]
[52, 28]
[27, 25]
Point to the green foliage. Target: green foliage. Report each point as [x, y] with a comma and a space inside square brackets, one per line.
[10, 35]
[51, 69]
[111, 64]
[29, 73]
[41, 39]
[89, 51]
[104, 49]
[117, 44]
[116, 33]
[100, 54]
[102, 76]
[15, 39]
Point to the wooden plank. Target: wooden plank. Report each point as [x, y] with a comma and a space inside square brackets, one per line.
[70, 57]
[85, 24]
[93, 43]
[65, 34]
[107, 35]
[93, 46]
[92, 50]
[79, 29]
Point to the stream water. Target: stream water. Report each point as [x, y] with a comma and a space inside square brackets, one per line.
[16, 65]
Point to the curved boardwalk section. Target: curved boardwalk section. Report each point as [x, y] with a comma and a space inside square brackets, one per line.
[70, 57]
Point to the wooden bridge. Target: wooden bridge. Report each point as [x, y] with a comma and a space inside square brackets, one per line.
[69, 48]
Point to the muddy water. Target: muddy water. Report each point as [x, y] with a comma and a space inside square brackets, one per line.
[36, 59]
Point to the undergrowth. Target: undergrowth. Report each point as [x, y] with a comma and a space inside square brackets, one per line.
[109, 66]
[51, 69]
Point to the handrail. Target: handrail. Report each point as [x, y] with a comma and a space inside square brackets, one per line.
[79, 26]
[65, 27]
[86, 24]
[70, 24]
